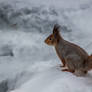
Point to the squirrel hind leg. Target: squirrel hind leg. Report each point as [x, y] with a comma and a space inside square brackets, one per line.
[80, 73]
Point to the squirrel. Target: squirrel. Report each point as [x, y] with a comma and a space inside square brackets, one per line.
[71, 55]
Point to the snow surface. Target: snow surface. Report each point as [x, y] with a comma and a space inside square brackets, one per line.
[24, 24]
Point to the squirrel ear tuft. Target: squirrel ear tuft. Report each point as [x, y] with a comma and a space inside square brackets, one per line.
[56, 28]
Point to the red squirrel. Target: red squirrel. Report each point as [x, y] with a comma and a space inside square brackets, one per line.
[70, 54]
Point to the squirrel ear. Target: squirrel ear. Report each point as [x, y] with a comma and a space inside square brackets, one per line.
[56, 29]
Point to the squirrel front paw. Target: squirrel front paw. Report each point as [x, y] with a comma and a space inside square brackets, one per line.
[67, 70]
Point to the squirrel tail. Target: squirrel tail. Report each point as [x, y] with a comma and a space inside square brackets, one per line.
[88, 65]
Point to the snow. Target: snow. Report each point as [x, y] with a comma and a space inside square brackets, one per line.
[54, 80]
[35, 65]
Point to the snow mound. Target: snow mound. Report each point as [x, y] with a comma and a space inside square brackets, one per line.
[53, 80]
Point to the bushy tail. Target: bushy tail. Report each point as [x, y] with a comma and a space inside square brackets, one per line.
[88, 64]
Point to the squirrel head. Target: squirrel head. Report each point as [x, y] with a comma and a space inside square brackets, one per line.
[54, 37]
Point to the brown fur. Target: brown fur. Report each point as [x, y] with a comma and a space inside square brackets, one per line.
[88, 63]
[71, 55]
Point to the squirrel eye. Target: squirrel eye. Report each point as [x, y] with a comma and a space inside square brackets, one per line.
[50, 39]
